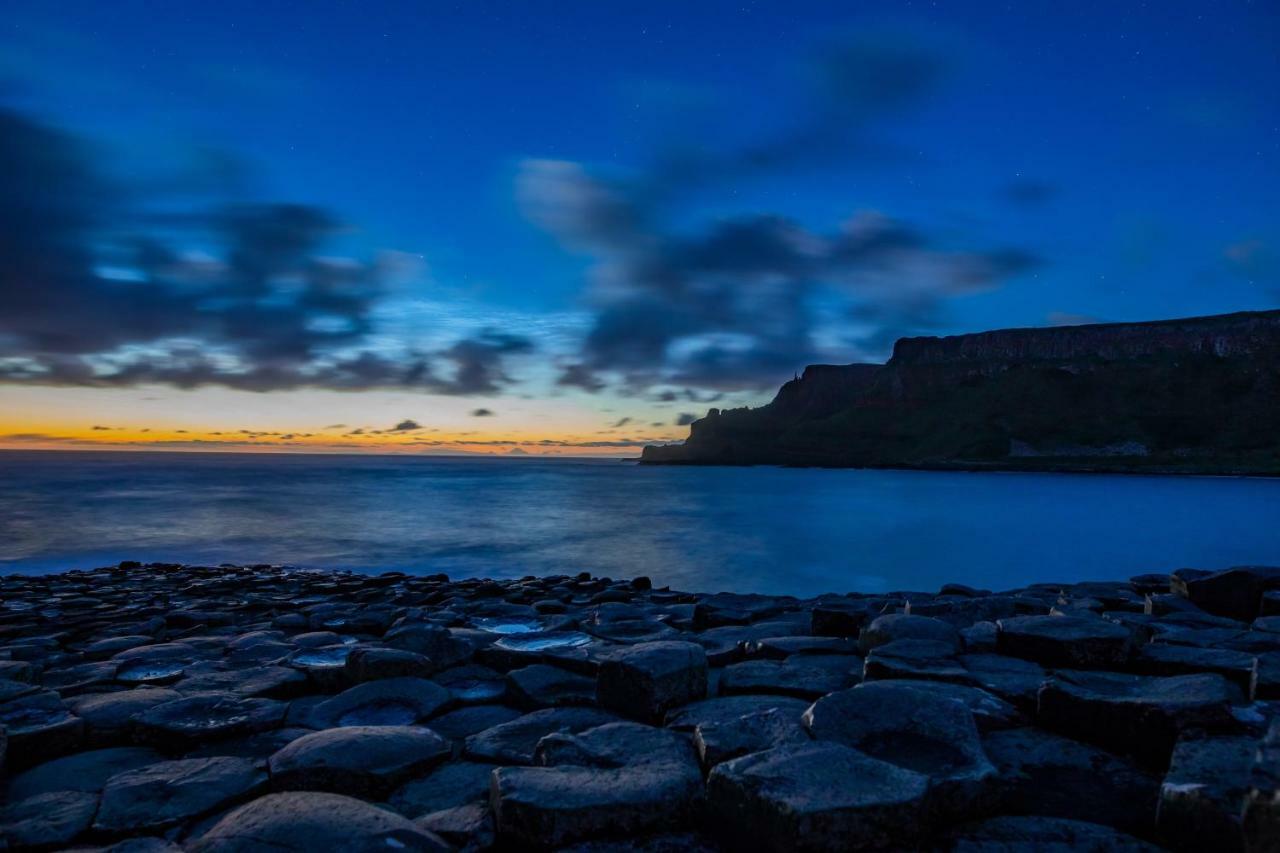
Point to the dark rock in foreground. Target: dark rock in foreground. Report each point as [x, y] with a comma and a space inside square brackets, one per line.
[167, 708]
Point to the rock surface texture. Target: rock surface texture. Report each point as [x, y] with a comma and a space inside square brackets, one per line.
[230, 708]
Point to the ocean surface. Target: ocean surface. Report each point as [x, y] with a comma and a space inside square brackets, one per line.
[771, 530]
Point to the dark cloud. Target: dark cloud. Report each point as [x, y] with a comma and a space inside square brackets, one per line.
[621, 422]
[482, 413]
[739, 302]
[685, 418]
[98, 288]
[406, 426]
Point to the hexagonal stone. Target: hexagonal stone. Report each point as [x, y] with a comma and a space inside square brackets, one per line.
[467, 721]
[1080, 642]
[372, 663]
[39, 726]
[919, 659]
[1264, 681]
[1168, 659]
[365, 761]
[990, 712]
[271, 682]
[802, 676]
[814, 797]
[1013, 679]
[108, 717]
[385, 702]
[161, 795]
[1136, 714]
[314, 822]
[432, 641]
[186, 722]
[84, 771]
[1041, 834]
[645, 680]
[469, 827]
[721, 709]
[543, 686]
[514, 742]
[902, 626]
[473, 684]
[921, 732]
[1203, 795]
[619, 779]
[48, 820]
[1235, 593]
[721, 741]
[452, 784]
[1046, 774]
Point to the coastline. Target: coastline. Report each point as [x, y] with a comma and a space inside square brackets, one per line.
[209, 708]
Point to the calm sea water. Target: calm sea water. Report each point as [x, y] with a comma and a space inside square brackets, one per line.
[750, 529]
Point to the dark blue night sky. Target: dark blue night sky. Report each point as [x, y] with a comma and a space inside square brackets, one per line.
[626, 203]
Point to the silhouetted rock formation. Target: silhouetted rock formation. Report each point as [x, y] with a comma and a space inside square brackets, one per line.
[1195, 395]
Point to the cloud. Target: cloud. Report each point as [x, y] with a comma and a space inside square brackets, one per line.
[516, 451]
[621, 422]
[685, 418]
[736, 302]
[482, 413]
[100, 287]
[406, 426]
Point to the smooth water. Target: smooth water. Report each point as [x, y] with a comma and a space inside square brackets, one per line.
[771, 530]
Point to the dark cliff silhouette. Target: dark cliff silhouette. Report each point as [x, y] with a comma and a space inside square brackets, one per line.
[1197, 395]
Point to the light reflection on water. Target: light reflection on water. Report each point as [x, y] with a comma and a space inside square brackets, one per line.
[751, 529]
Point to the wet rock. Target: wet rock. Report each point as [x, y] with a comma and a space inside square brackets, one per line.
[449, 785]
[386, 702]
[1065, 641]
[901, 626]
[728, 608]
[84, 771]
[838, 619]
[48, 820]
[514, 742]
[717, 742]
[1045, 774]
[645, 680]
[161, 795]
[1235, 593]
[364, 761]
[464, 722]
[370, 664]
[1262, 802]
[723, 709]
[927, 734]
[517, 650]
[629, 631]
[270, 682]
[778, 648]
[1203, 795]
[1264, 681]
[990, 712]
[314, 822]
[543, 686]
[473, 684]
[325, 666]
[160, 663]
[814, 797]
[918, 659]
[1135, 714]
[1041, 834]
[980, 637]
[1165, 659]
[38, 726]
[802, 677]
[468, 827]
[431, 641]
[108, 717]
[184, 723]
[618, 780]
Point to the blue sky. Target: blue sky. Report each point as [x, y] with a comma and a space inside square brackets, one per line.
[1026, 163]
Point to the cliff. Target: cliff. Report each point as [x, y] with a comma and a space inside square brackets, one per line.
[1198, 395]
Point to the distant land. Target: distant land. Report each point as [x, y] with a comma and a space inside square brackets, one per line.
[1197, 395]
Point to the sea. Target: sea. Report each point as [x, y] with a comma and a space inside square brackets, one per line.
[770, 530]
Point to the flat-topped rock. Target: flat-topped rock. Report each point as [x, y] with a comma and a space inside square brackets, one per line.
[157, 796]
[1134, 714]
[804, 676]
[1041, 834]
[385, 702]
[365, 761]
[1078, 642]
[314, 822]
[1203, 796]
[544, 686]
[928, 734]
[721, 741]
[47, 821]
[446, 786]
[514, 742]
[822, 796]
[187, 722]
[646, 680]
[903, 626]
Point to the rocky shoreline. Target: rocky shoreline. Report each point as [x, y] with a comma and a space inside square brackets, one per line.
[164, 707]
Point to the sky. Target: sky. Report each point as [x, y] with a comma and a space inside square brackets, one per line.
[572, 227]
